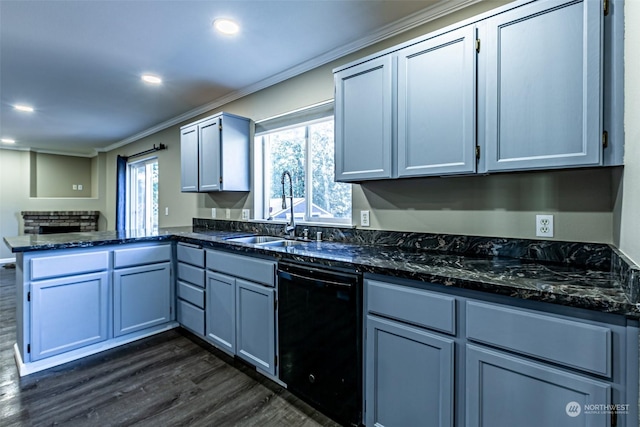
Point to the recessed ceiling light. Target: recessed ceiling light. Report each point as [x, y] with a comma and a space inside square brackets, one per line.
[8, 141]
[150, 78]
[226, 26]
[25, 108]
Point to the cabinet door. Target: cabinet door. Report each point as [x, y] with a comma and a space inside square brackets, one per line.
[543, 86]
[141, 297]
[209, 140]
[189, 159]
[409, 376]
[363, 121]
[68, 313]
[255, 325]
[504, 390]
[436, 105]
[220, 317]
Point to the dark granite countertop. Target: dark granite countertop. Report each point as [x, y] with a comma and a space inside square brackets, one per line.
[575, 286]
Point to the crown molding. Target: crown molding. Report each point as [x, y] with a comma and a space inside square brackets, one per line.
[56, 152]
[438, 10]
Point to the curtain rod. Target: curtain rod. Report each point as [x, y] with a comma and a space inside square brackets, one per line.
[151, 150]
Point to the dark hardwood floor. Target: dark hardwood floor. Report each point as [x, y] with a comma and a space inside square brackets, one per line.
[171, 379]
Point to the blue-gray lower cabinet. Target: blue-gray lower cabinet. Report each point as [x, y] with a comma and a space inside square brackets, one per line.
[255, 325]
[220, 317]
[68, 313]
[505, 390]
[409, 376]
[190, 287]
[141, 297]
[438, 356]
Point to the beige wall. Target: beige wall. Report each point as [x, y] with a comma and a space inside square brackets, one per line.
[582, 201]
[55, 175]
[588, 204]
[630, 200]
[15, 177]
[502, 205]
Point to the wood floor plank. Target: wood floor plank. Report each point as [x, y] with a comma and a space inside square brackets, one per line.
[171, 379]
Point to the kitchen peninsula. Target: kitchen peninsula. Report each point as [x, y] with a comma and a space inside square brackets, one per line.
[542, 290]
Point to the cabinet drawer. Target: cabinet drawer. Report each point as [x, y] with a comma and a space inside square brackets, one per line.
[191, 293]
[191, 274]
[579, 345]
[191, 317]
[141, 255]
[253, 269]
[191, 255]
[416, 306]
[68, 264]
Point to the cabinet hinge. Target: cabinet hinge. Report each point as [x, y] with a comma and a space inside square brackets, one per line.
[477, 152]
[28, 348]
[478, 45]
[605, 139]
[614, 417]
[28, 296]
[605, 7]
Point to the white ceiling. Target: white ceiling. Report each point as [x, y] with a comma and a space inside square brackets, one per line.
[78, 63]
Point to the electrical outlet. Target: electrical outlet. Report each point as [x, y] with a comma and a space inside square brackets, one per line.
[364, 218]
[245, 214]
[213, 213]
[74, 187]
[166, 211]
[79, 187]
[228, 214]
[544, 225]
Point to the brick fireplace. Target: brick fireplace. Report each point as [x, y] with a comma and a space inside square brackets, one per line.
[38, 222]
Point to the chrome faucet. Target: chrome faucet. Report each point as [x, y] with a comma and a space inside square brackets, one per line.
[290, 228]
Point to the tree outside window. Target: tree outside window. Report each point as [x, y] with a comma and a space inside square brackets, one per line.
[307, 152]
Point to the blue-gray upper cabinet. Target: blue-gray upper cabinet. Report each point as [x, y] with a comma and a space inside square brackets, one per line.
[214, 154]
[436, 105]
[363, 109]
[542, 86]
[68, 313]
[189, 158]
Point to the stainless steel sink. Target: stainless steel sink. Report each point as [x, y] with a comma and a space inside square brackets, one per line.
[281, 243]
[256, 240]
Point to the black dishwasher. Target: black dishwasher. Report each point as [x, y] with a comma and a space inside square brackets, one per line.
[320, 344]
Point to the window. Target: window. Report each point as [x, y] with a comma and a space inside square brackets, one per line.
[142, 203]
[306, 151]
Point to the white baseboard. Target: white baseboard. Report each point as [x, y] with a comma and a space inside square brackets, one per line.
[6, 260]
[26, 368]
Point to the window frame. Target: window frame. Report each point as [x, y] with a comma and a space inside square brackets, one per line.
[131, 191]
[300, 118]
